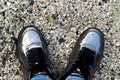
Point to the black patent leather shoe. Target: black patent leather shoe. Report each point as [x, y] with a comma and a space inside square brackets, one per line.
[87, 54]
[32, 53]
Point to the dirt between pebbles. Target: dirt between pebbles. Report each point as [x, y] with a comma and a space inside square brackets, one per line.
[60, 22]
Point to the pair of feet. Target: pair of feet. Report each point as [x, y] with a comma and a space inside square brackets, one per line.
[86, 55]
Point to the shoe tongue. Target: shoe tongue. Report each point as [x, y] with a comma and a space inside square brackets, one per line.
[86, 62]
[36, 58]
[86, 56]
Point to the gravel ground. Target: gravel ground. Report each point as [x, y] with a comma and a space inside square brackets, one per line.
[61, 22]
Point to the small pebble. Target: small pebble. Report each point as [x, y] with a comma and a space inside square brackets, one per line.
[61, 40]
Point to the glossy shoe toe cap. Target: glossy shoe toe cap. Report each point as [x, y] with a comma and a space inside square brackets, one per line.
[93, 40]
[31, 39]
